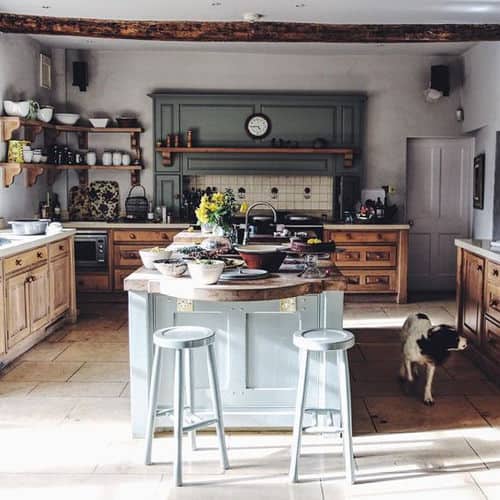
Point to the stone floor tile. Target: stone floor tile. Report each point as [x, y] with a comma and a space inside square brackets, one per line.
[485, 441]
[489, 482]
[380, 351]
[488, 407]
[102, 372]
[461, 368]
[41, 371]
[15, 389]
[78, 389]
[97, 336]
[95, 352]
[45, 351]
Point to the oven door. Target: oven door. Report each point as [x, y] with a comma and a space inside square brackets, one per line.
[91, 251]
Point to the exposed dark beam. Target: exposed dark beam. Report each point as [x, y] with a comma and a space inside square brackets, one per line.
[192, 31]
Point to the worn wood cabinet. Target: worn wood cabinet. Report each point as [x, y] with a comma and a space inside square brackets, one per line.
[36, 289]
[478, 308]
[374, 261]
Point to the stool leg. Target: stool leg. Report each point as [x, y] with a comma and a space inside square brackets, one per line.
[345, 407]
[153, 402]
[216, 399]
[190, 393]
[178, 415]
[299, 413]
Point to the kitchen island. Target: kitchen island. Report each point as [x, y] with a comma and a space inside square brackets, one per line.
[254, 322]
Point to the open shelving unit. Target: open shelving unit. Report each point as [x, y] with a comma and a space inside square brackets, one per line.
[167, 153]
[9, 124]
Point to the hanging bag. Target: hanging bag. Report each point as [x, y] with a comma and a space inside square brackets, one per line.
[136, 207]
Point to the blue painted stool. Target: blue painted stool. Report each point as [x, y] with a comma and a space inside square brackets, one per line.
[323, 340]
[182, 339]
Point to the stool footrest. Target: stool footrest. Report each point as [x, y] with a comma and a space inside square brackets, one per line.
[323, 411]
[321, 429]
[197, 425]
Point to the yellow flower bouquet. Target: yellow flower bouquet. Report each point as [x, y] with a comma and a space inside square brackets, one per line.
[216, 209]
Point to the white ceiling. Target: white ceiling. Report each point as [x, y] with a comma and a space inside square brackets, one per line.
[321, 11]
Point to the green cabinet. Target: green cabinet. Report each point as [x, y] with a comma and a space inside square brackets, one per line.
[168, 192]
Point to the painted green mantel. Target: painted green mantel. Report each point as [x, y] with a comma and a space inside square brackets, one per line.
[219, 120]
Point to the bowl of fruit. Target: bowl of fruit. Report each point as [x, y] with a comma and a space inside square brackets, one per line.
[312, 245]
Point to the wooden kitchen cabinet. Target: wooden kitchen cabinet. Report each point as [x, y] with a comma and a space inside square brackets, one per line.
[3, 332]
[17, 308]
[374, 260]
[60, 285]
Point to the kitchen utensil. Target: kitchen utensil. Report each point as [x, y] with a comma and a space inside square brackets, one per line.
[107, 158]
[67, 118]
[126, 121]
[79, 203]
[136, 207]
[45, 114]
[149, 255]
[25, 227]
[244, 275]
[104, 200]
[91, 158]
[205, 272]
[21, 108]
[99, 122]
[172, 268]
[268, 257]
[117, 158]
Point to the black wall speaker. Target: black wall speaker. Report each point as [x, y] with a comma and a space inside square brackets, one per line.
[80, 75]
[440, 79]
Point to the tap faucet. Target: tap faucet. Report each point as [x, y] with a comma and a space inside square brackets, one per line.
[252, 206]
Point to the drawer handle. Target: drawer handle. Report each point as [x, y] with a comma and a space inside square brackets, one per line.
[379, 236]
[494, 305]
[19, 262]
[39, 255]
[348, 236]
[61, 247]
[381, 279]
[495, 272]
[130, 255]
[351, 256]
[352, 280]
[380, 255]
[132, 236]
[479, 267]
[30, 279]
[164, 236]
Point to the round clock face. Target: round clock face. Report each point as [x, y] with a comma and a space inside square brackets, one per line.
[258, 125]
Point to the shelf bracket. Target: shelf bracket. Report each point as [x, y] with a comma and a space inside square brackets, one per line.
[32, 174]
[348, 159]
[167, 158]
[31, 132]
[10, 172]
[9, 124]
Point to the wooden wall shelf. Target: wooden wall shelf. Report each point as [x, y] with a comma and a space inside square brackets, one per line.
[12, 170]
[167, 153]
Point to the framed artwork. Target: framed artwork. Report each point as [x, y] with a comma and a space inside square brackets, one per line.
[478, 180]
[45, 71]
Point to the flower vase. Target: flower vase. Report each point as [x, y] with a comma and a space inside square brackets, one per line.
[207, 228]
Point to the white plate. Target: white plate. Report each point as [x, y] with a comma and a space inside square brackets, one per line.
[244, 274]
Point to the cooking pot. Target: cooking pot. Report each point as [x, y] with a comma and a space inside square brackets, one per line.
[25, 227]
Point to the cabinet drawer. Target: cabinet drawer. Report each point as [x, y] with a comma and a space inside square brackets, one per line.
[492, 339]
[370, 281]
[364, 236]
[120, 275]
[493, 272]
[127, 255]
[492, 300]
[58, 248]
[144, 236]
[25, 260]
[366, 256]
[91, 282]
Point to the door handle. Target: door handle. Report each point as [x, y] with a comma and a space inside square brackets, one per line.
[411, 222]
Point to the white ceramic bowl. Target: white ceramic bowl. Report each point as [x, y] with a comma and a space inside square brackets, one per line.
[205, 272]
[148, 256]
[45, 114]
[21, 108]
[172, 268]
[67, 118]
[99, 122]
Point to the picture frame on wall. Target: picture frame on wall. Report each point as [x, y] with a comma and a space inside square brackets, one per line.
[478, 182]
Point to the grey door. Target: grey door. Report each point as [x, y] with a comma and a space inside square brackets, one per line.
[439, 206]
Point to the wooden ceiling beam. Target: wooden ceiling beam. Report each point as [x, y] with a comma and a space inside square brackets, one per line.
[193, 31]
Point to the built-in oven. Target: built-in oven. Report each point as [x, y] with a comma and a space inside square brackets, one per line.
[91, 250]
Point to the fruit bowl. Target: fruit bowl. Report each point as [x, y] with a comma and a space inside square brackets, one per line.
[99, 122]
[67, 118]
[268, 257]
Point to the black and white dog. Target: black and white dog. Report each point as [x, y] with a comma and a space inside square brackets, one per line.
[426, 345]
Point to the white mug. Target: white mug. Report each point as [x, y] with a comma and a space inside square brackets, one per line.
[28, 155]
[125, 159]
[117, 158]
[107, 158]
[91, 158]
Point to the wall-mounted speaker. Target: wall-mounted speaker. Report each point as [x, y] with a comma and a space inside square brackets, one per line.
[80, 75]
[440, 79]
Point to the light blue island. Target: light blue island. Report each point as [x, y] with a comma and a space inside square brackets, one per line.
[256, 360]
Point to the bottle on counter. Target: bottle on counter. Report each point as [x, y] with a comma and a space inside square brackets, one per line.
[56, 208]
[379, 209]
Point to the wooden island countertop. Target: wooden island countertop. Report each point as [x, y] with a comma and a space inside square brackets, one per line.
[280, 285]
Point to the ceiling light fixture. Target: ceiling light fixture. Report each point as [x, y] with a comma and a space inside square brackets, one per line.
[215, 3]
[45, 6]
[300, 5]
[252, 17]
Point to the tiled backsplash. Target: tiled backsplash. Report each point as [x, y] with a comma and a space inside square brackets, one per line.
[290, 195]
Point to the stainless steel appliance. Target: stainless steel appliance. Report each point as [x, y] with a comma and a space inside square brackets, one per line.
[91, 250]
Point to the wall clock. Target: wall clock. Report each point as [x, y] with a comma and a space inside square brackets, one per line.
[258, 125]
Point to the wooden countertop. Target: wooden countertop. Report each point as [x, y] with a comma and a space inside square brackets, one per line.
[479, 247]
[366, 227]
[124, 225]
[281, 285]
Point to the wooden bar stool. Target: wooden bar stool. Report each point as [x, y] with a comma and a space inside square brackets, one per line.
[182, 339]
[324, 340]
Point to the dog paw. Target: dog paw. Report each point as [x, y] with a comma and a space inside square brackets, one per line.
[429, 402]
